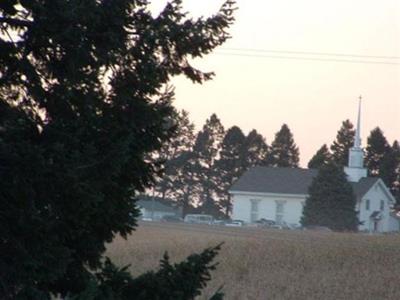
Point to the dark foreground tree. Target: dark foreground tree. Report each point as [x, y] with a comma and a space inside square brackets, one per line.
[83, 100]
[331, 201]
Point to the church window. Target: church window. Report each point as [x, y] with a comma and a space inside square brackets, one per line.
[254, 209]
[367, 204]
[279, 212]
[382, 204]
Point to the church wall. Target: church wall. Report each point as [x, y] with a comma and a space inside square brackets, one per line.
[267, 207]
[394, 224]
[375, 195]
[241, 208]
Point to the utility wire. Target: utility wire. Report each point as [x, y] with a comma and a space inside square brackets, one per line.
[310, 53]
[306, 58]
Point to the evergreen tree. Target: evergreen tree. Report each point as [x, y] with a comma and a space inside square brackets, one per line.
[82, 104]
[185, 187]
[344, 141]
[206, 151]
[331, 201]
[321, 158]
[230, 165]
[171, 154]
[383, 160]
[390, 170]
[377, 149]
[284, 152]
[256, 150]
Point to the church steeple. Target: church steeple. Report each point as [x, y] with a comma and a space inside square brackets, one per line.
[355, 169]
[357, 139]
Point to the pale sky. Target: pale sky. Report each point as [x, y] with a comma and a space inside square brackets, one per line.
[313, 97]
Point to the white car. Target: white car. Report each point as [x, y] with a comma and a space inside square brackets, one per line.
[235, 223]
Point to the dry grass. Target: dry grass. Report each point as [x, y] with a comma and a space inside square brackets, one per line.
[275, 264]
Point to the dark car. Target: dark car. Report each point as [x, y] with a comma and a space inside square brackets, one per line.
[175, 219]
[266, 223]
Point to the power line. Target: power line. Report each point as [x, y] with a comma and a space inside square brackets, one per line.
[307, 58]
[311, 53]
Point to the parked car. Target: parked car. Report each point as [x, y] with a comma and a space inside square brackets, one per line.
[265, 222]
[219, 222]
[175, 219]
[199, 219]
[318, 228]
[234, 223]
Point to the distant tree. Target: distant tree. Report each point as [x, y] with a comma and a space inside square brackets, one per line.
[256, 150]
[377, 149]
[383, 160]
[321, 158]
[206, 150]
[390, 170]
[331, 201]
[171, 153]
[83, 101]
[230, 165]
[185, 183]
[344, 141]
[396, 183]
[283, 151]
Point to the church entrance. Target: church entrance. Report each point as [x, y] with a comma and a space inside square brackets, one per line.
[375, 217]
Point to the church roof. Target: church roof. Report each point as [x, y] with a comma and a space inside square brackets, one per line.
[288, 181]
[361, 187]
[275, 180]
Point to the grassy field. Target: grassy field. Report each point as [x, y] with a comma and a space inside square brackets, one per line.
[274, 264]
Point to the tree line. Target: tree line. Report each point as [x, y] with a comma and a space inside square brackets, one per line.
[199, 168]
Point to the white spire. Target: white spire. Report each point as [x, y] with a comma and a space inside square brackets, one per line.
[357, 140]
[355, 169]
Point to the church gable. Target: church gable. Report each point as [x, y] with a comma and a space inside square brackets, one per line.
[378, 191]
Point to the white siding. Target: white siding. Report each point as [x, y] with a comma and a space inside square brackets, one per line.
[292, 207]
[375, 195]
[394, 224]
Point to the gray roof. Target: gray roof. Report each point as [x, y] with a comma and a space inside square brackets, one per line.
[363, 186]
[288, 181]
[275, 180]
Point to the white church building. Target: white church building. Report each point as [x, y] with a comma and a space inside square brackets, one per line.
[279, 194]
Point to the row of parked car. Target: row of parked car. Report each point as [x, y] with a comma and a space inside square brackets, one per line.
[209, 220]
